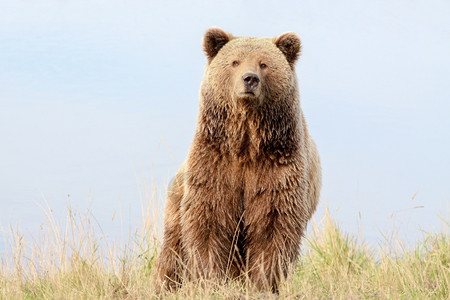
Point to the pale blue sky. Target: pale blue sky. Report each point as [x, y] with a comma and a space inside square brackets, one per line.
[94, 92]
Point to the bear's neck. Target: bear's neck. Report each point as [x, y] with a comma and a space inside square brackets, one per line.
[269, 132]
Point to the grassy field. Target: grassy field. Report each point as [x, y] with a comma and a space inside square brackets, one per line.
[76, 261]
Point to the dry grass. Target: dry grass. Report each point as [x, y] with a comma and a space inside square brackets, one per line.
[74, 260]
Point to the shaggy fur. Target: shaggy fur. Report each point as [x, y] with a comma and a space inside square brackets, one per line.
[241, 201]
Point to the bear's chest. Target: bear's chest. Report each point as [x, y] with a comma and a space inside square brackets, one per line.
[243, 139]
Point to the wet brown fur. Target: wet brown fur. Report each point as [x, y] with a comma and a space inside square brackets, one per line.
[240, 203]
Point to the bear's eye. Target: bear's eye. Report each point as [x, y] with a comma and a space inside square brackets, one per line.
[235, 63]
[262, 66]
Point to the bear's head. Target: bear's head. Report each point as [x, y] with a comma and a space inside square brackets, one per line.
[249, 72]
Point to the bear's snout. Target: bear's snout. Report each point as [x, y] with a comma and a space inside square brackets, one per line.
[251, 81]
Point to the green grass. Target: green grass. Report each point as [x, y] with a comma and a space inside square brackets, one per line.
[75, 260]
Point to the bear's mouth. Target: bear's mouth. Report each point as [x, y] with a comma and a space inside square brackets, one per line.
[247, 93]
[248, 96]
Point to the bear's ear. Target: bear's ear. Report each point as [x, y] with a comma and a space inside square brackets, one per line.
[289, 43]
[213, 40]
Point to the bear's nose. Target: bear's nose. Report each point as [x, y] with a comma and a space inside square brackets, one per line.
[251, 80]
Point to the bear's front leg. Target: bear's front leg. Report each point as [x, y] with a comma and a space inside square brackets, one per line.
[276, 213]
[209, 221]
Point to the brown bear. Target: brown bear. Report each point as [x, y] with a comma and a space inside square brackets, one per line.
[240, 203]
